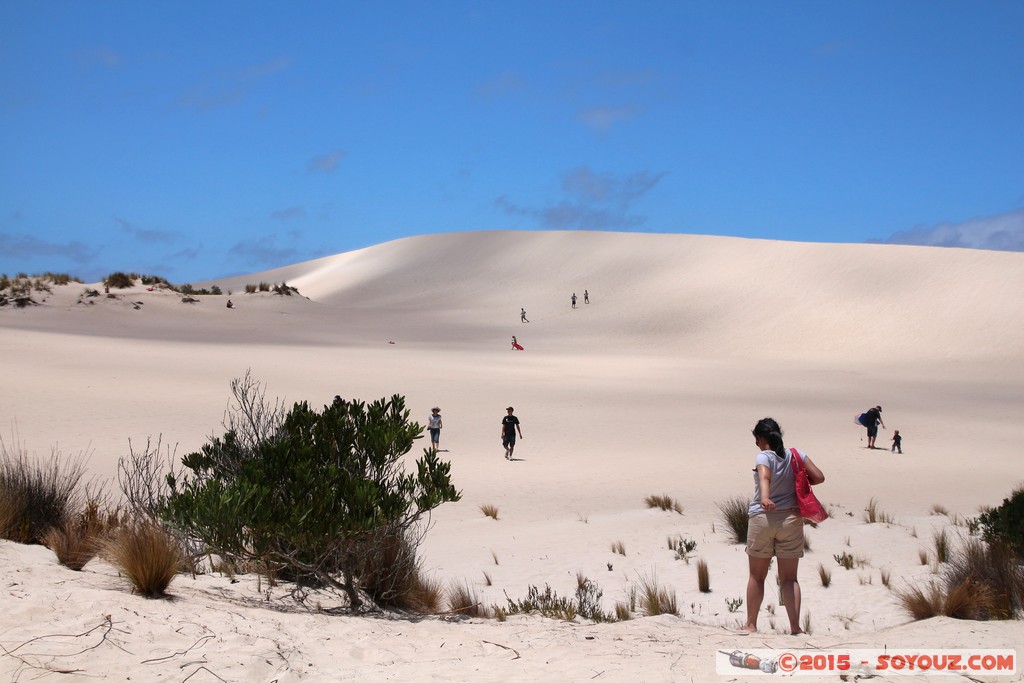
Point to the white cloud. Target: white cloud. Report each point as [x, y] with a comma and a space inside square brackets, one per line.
[595, 201]
[602, 119]
[1003, 232]
[326, 163]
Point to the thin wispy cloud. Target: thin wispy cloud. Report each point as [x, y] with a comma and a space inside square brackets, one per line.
[593, 201]
[602, 119]
[503, 84]
[232, 87]
[101, 56]
[144, 234]
[1003, 232]
[291, 213]
[326, 163]
[29, 247]
[263, 252]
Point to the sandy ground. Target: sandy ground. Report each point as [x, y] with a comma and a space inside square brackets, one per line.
[652, 388]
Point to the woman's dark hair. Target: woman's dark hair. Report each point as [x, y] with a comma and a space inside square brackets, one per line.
[770, 431]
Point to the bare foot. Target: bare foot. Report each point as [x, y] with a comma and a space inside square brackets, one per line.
[748, 628]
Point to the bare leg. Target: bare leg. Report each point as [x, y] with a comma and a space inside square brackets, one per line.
[791, 591]
[755, 589]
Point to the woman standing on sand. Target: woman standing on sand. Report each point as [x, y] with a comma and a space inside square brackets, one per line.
[776, 528]
[434, 427]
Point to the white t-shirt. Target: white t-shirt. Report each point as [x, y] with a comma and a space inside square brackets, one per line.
[782, 485]
[434, 422]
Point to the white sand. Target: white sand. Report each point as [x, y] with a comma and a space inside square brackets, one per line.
[652, 388]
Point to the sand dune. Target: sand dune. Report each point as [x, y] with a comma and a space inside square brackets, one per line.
[651, 388]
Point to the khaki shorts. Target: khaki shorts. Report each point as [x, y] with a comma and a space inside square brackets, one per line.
[776, 534]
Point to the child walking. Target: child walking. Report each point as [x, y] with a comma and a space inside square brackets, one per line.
[897, 442]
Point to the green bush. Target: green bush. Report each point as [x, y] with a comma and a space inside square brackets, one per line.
[309, 493]
[1005, 524]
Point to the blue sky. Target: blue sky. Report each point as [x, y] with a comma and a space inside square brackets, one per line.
[197, 140]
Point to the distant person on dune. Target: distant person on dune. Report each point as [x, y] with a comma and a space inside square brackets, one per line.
[586, 297]
[515, 344]
[434, 427]
[509, 427]
[522, 316]
[574, 299]
[775, 528]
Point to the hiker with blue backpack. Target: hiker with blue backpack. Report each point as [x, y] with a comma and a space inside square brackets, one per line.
[871, 419]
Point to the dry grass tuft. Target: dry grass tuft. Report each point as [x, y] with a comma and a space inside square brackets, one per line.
[489, 510]
[825, 574]
[941, 547]
[425, 596]
[79, 540]
[619, 547]
[35, 495]
[886, 576]
[980, 582]
[656, 600]
[145, 553]
[873, 515]
[703, 577]
[921, 603]
[664, 502]
[735, 515]
[462, 599]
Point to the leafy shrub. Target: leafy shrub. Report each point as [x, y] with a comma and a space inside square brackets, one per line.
[37, 496]
[735, 515]
[586, 603]
[308, 492]
[844, 560]
[119, 280]
[683, 548]
[146, 553]
[250, 289]
[1005, 524]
